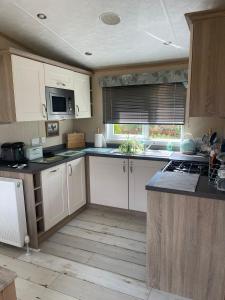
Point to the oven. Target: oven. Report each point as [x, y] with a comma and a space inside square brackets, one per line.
[60, 103]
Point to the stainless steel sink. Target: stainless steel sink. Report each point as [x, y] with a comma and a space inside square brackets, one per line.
[69, 153]
[158, 153]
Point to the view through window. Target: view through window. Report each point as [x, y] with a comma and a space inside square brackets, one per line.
[155, 132]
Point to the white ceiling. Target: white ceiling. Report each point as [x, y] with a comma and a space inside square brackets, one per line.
[73, 27]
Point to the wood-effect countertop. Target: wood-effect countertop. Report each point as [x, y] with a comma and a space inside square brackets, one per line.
[6, 278]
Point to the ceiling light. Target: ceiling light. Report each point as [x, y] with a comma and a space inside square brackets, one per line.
[88, 53]
[41, 16]
[109, 18]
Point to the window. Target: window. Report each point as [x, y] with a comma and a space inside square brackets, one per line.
[159, 133]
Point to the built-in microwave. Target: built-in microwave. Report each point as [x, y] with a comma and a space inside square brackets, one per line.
[60, 103]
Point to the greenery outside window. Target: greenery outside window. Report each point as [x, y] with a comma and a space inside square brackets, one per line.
[160, 134]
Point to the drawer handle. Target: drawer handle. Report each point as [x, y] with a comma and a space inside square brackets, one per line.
[53, 171]
[71, 170]
[124, 166]
[60, 83]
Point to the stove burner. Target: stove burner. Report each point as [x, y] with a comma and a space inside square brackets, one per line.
[188, 167]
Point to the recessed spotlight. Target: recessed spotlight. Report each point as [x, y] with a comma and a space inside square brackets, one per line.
[88, 53]
[167, 43]
[109, 18]
[41, 16]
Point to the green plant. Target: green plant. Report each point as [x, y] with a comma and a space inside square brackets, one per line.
[131, 146]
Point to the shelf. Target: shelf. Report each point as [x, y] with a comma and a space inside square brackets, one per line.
[38, 203]
[39, 219]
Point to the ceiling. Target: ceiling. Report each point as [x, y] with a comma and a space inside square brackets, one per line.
[73, 27]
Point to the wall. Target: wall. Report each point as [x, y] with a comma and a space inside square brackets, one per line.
[197, 126]
[25, 131]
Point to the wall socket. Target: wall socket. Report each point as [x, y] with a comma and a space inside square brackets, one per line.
[42, 140]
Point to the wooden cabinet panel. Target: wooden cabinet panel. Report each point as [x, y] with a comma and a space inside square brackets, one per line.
[29, 90]
[207, 65]
[82, 96]
[58, 77]
[109, 181]
[140, 172]
[76, 184]
[54, 193]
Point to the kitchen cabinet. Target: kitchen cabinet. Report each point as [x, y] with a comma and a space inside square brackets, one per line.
[54, 195]
[207, 64]
[76, 184]
[109, 181]
[58, 77]
[140, 171]
[121, 182]
[82, 96]
[22, 89]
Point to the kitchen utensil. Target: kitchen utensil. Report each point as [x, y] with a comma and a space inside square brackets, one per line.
[213, 138]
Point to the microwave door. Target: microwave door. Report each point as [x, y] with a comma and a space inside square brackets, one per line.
[58, 105]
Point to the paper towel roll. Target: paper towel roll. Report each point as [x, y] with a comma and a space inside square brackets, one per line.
[99, 140]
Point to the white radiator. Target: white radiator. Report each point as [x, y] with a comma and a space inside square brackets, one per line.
[13, 228]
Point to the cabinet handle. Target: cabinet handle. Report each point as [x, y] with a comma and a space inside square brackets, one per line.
[71, 170]
[44, 111]
[60, 83]
[53, 171]
[77, 110]
[131, 167]
[124, 166]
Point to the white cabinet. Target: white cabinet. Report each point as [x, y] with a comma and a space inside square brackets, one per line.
[58, 77]
[76, 184]
[109, 181]
[29, 89]
[54, 194]
[82, 96]
[140, 171]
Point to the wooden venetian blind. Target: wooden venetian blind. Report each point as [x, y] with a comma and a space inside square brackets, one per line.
[145, 104]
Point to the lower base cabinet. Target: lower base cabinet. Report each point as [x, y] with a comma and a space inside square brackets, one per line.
[121, 182]
[140, 171]
[76, 184]
[109, 181]
[54, 193]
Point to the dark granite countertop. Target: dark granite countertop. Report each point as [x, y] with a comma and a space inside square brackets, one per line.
[204, 188]
[33, 168]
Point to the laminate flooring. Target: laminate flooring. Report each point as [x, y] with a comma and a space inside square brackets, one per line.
[99, 255]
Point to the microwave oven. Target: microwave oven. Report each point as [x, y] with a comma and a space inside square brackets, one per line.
[60, 103]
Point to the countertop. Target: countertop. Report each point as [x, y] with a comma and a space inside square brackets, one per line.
[204, 188]
[34, 168]
[6, 278]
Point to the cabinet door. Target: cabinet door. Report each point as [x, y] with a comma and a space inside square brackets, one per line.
[58, 77]
[29, 89]
[54, 192]
[140, 171]
[76, 184]
[82, 96]
[207, 64]
[109, 181]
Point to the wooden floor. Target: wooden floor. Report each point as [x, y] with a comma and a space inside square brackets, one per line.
[100, 255]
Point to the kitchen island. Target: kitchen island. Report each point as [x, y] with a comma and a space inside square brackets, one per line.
[186, 240]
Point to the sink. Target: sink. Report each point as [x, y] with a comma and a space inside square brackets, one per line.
[69, 153]
[158, 153]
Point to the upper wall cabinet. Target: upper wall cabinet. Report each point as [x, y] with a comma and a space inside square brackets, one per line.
[22, 92]
[58, 77]
[82, 96]
[207, 64]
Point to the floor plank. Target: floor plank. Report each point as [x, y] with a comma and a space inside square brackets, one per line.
[26, 290]
[129, 234]
[103, 278]
[102, 219]
[100, 248]
[84, 290]
[96, 260]
[28, 271]
[104, 238]
[10, 251]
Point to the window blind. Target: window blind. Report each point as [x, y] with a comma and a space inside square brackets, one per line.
[144, 104]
